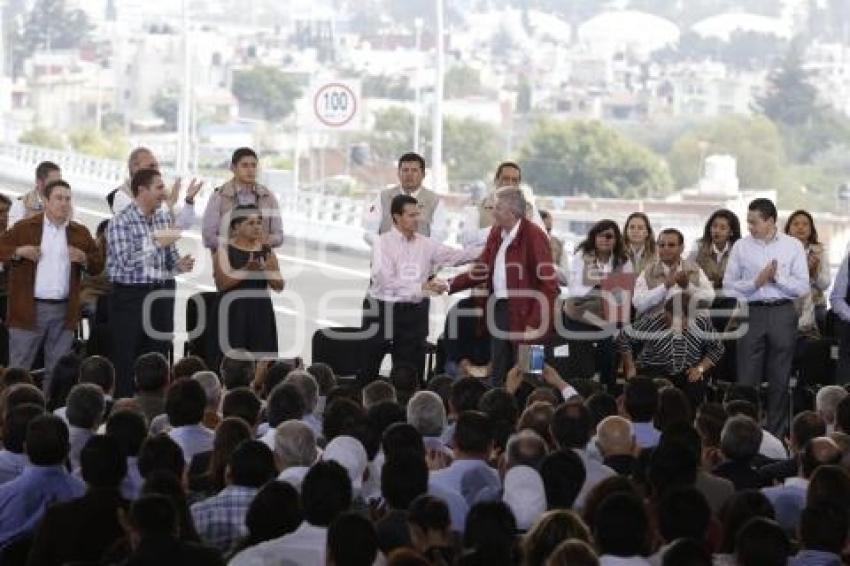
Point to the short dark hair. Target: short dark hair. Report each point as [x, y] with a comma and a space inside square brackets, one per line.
[236, 371]
[600, 405]
[274, 512]
[143, 178]
[243, 403]
[187, 366]
[160, 452]
[241, 154]
[505, 164]
[403, 479]
[429, 513]
[842, 415]
[742, 407]
[185, 403]
[571, 426]
[809, 458]
[621, 525]
[490, 531]
[129, 429]
[15, 423]
[764, 207]
[641, 399]
[474, 433]
[672, 464]
[154, 514]
[86, 405]
[399, 202]
[324, 375]
[47, 440]
[344, 417]
[738, 509]
[400, 438]
[466, 393]
[325, 493]
[252, 464]
[241, 212]
[687, 552]
[103, 462]
[806, 426]
[410, 156]
[741, 438]
[98, 370]
[21, 393]
[675, 232]
[563, 475]
[275, 374]
[352, 541]
[285, 403]
[762, 542]
[683, 512]
[48, 189]
[44, 169]
[824, 527]
[151, 371]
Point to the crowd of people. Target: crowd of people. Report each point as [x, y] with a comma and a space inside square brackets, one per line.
[657, 427]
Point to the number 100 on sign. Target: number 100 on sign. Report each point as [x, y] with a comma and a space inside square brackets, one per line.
[335, 105]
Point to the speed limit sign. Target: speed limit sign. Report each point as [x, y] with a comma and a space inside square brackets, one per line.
[336, 105]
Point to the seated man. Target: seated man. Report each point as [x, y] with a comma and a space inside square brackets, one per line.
[668, 274]
[24, 499]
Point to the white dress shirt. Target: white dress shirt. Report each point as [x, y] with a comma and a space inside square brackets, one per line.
[645, 298]
[374, 214]
[306, 546]
[750, 255]
[53, 270]
[192, 439]
[500, 274]
[400, 266]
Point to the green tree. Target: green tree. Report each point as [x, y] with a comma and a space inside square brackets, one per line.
[91, 142]
[756, 143]
[166, 105]
[392, 134]
[41, 137]
[472, 149]
[50, 25]
[267, 91]
[461, 82]
[791, 99]
[384, 86]
[576, 157]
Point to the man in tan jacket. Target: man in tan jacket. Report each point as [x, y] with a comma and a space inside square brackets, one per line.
[47, 253]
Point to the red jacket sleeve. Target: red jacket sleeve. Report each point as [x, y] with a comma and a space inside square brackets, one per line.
[544, 272]
[467, 280]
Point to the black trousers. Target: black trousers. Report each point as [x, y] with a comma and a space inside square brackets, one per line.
[502, 352]
[400, 328]
[130, 336]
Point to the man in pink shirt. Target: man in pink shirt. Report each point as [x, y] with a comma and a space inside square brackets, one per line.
[395, 316]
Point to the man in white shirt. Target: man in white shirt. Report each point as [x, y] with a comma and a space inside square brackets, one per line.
[143, 158]
[395, 310]
[670, 274]
[295, 451]
[377, 217]
[32, 202]
[185, 404]
[325, 494]
[767, 270]
[46, 254]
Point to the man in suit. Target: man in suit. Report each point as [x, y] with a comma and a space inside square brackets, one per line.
[47, 253]
[517, 265]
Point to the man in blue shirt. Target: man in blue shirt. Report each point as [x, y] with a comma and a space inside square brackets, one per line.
[767, 270]
[838, 298]
[24, 500]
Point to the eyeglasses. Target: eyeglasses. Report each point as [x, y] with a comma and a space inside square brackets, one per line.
[606, 236]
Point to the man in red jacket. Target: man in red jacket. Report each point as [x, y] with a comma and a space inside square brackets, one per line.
[517, 265]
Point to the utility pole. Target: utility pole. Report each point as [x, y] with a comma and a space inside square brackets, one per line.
[437, 145]
[417, 114]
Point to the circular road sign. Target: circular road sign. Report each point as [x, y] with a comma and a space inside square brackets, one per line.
[335, 104]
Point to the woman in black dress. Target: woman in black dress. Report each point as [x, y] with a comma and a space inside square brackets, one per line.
[247, 264]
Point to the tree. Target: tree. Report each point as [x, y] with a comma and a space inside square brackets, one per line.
[51, 25]
[791, 99]
[461, 82]
[472, 149]
[166, 105]
[387, 86]
[266, 91]
[41, 137]
[755, 142]
[92, 142]
[577, 157]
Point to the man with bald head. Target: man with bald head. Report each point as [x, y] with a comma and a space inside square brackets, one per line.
[143, 158]
[789, 499]
[615, 439]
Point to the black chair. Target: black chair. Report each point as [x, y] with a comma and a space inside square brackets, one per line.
[340, 348]
[204, 342]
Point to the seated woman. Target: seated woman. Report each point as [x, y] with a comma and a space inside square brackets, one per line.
[246, 264]
[678, 343]
[639, 241]
[601, 254]
[812, 306]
